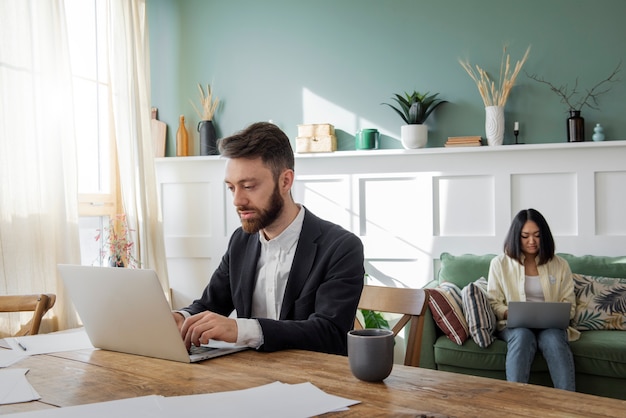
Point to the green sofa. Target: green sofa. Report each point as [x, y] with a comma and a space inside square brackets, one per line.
[599, 355]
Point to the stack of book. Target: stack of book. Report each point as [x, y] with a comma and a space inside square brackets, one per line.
[463, 141]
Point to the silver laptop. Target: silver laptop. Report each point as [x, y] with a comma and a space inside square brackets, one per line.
[125, 310]
[539, 315]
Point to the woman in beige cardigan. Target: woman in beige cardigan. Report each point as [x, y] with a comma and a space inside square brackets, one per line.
[529, 270]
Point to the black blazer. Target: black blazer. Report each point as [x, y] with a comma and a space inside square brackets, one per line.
[322, 292]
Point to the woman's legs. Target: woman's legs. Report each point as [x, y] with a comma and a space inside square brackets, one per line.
[556, 350]
[521, 348]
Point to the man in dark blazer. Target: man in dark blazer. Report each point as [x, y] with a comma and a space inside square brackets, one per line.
[293, 279]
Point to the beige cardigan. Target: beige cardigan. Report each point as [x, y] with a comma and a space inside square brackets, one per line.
[506, 283]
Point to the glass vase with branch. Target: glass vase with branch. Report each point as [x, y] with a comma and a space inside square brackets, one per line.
[575, 99]
[118, 246]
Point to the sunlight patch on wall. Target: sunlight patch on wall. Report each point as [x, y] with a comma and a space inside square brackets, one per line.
[317, 109]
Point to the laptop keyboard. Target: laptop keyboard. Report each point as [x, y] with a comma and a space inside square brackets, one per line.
[200, 350]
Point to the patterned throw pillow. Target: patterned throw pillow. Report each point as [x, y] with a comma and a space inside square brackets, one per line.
[600, 303]
[446, 305]
[481, 320]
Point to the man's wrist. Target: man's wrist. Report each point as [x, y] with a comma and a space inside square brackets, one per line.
[185, 314]
[249, 333]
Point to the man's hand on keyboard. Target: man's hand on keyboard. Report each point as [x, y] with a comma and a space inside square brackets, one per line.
[200, 328]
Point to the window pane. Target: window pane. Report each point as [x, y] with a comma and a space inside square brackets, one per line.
[87, 36]
[101, 41]
[105, 167]
[81, 28]
[86, 127]
[91, 250]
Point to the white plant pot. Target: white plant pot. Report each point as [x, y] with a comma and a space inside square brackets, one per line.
[414, 136]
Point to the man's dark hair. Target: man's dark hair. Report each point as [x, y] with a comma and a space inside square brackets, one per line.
[512, 243]
[264, 140]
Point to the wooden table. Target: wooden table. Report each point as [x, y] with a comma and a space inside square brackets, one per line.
[86, 376]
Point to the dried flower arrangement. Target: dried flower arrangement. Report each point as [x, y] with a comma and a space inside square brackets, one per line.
[492, 94]
[118, 245]
[209, 105]
[590, 99]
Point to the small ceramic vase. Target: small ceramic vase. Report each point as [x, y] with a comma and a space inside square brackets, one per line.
[598, 133]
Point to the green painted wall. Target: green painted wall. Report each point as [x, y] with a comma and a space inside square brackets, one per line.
[335, 61]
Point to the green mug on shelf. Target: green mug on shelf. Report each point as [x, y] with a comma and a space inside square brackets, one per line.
[366, 139]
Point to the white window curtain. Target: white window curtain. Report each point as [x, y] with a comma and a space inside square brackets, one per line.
[38, 170]
[38, 209]
[129, 60]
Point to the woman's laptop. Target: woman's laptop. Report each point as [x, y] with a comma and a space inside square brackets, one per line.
[125, 310]
[541, 315]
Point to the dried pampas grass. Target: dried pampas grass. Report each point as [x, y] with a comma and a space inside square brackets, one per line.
[492, 94]
[209, 106]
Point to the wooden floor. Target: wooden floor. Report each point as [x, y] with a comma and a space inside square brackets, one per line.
[87, 376]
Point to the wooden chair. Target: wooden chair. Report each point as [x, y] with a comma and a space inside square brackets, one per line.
[412, 303]
[38, 304]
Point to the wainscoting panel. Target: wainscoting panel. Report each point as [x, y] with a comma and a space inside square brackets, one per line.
[610, 214]
[409, 206]
[464, 206]
[555, 195]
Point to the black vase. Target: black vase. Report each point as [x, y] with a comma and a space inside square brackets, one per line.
[208, 138]
[575, 127]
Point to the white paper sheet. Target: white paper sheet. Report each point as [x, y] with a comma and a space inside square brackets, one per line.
[14, 387]
[142, 407]
[274, 400]
[9, 357]
[50, 343]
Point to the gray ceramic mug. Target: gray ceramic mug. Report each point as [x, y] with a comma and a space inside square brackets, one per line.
[370, 353]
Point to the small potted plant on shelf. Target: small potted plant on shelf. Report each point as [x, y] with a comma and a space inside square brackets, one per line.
[414, 109]
[118, 246]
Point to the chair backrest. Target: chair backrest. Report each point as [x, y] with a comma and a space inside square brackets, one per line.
[38, 304]
[411, 303]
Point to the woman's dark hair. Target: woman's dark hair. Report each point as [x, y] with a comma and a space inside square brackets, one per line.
[264, 140]
[512, 243]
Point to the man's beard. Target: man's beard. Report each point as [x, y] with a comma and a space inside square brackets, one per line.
[265, 216]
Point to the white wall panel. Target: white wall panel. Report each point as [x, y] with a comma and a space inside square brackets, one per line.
[409, 206]
[187, 208]
[329, 197]
[464, 206]
[555, 195]
[610, 211]
[192, 275]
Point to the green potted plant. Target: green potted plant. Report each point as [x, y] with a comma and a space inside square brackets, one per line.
[414, 109]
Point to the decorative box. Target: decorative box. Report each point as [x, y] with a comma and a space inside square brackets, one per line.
[316, 138]
[321, 129]
[325, 143]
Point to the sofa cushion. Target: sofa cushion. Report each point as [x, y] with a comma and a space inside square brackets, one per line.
[481, 321]
[595, 265]
[601, 353]
[600, 303]
[470, 356]
[463, 269]
[446, 305]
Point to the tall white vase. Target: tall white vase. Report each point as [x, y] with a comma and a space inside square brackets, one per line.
[414, 136]
[494, 125]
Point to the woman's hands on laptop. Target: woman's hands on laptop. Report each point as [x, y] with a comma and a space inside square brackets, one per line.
[200, 328]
